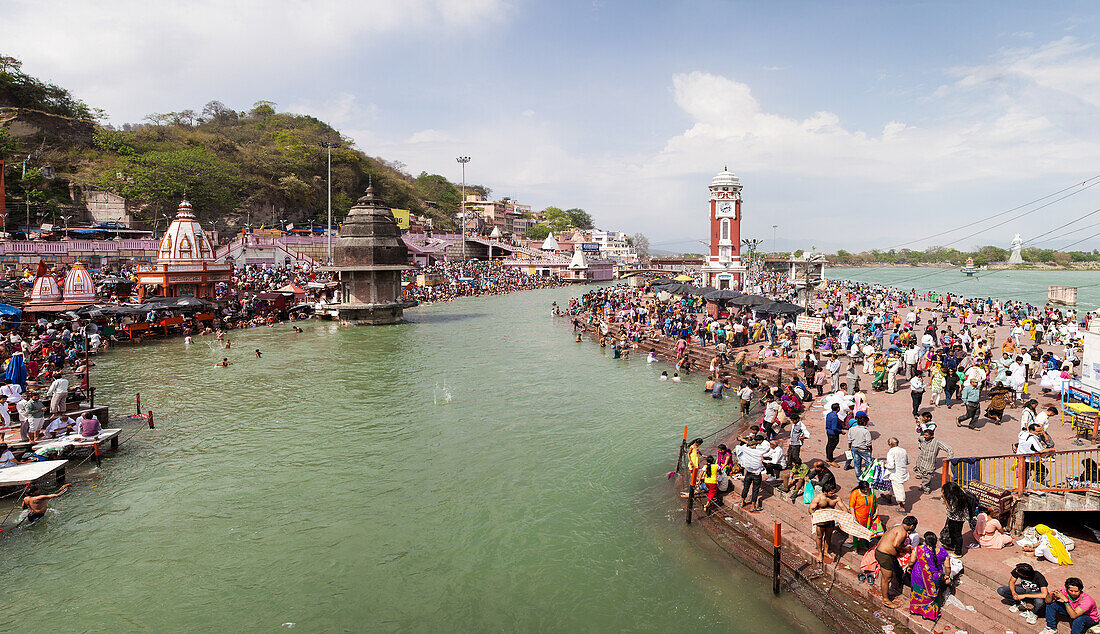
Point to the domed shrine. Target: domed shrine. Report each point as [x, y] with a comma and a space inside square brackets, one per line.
[77, 290]
[369, 257]
[186, 264]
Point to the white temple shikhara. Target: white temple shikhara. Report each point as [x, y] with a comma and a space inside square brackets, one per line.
[186, 263]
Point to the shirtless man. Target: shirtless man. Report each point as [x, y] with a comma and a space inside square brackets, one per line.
[224, 363]
[894, 542]
[36, 504]
[823, 532]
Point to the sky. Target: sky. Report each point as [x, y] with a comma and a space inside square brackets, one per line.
[851, 125]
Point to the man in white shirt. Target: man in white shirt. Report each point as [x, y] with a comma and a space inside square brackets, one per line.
[833, 368]
[58, 392]
[60, 426]
[1032, 446]
[12, 394]
[926, 342]
[750, 455]
[897, 470]
[911, 356]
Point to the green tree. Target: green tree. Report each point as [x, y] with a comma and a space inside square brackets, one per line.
[579, 218]
[539, 231]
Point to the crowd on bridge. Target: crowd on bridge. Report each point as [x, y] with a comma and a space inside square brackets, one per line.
[446, 280]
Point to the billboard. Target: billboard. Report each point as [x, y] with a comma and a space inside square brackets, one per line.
[590, 247]
[402, 218]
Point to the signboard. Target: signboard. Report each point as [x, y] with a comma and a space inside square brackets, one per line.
[590, 247]
[402, 218]
[1090, 359]
[810, 324]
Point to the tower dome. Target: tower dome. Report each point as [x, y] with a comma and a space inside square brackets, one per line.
[725, 178]
[185, 241]
[45, 291]
[79, 286]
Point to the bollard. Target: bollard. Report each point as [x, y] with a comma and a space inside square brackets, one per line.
[138, 399]
[683, 448]
[777, 546]
[151, 426]
[98, 462]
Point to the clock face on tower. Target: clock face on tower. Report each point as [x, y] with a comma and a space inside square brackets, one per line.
[725, 208]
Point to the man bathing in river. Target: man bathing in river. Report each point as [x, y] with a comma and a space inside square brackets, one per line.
[36, 505]
[893, 543]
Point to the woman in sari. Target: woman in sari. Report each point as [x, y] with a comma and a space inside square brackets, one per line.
[990, 534]
[864, 509]
[998, 400]
[936, 384]
[790, 402]
[879, 383]
[1051, 547]
[927, 578]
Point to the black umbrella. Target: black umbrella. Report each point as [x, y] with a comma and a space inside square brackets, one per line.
[750, 300]
[681, 288]
[780, 308]
[722, 295]
[660, 280]
[187, 302]
[92, 311]
[113, 281]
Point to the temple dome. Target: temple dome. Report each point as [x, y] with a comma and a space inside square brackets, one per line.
[549, 244]
[578, 263]
[79, 286]
[725, 178]
[185, 241]
[45, 291]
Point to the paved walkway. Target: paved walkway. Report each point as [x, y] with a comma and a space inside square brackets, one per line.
[985, 569]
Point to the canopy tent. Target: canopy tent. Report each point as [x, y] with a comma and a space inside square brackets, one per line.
[750, 300]
[683, 278]
[292, 288]
[780, 308]
[9, 311]
[657, 281]
[722, 296]
[679, 288]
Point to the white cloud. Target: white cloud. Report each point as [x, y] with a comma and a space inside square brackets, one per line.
[430, 136]
[108, 52]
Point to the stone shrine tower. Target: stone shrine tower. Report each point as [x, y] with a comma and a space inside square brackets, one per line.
[369, 257]
[723, 268]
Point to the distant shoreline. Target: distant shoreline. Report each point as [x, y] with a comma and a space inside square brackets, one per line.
[1000, 266]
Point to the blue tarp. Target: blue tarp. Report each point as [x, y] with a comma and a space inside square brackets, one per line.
[17, 370]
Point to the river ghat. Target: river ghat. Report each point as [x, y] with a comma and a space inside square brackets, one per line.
[1054, 493]
[471, 469]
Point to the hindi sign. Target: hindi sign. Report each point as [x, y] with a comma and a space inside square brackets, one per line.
[810, 324]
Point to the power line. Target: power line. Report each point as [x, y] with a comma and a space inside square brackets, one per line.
[1083, 185]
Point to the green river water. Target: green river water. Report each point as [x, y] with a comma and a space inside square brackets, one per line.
[470, 470]
[1023, 285]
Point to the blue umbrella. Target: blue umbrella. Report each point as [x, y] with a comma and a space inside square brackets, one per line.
[9, 310]
[17, 370]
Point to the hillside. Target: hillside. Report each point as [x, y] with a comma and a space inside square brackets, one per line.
[232, 165]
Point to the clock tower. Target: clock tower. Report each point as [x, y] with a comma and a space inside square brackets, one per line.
[723, 268]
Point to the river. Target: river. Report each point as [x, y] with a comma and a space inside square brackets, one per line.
[472, 469]
[1023, 285]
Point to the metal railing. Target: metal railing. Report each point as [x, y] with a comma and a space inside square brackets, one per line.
[1057, 471]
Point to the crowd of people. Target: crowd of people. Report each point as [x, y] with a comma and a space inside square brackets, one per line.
[941, 348]
[444, 281]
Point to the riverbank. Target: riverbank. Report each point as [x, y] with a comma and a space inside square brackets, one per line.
[978, 609]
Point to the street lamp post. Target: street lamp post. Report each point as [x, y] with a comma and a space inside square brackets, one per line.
[66, 219]
[329, 145]
[773, 239]
[463, 160]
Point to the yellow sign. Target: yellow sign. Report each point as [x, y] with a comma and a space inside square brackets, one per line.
[402, 217]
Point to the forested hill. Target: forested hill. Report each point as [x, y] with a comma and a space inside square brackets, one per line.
[231, 164]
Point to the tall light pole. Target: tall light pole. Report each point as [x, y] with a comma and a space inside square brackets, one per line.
[463, 160]
[329, 145]
[773, 239]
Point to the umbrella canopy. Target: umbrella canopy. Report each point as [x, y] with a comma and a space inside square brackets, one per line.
[700, 292]
[660, 280]
[780, 308]
[750, 300]
[722, 295]
[90, 311]
[683, 278]
[113, 280]
[680, 288]
[17, 370]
